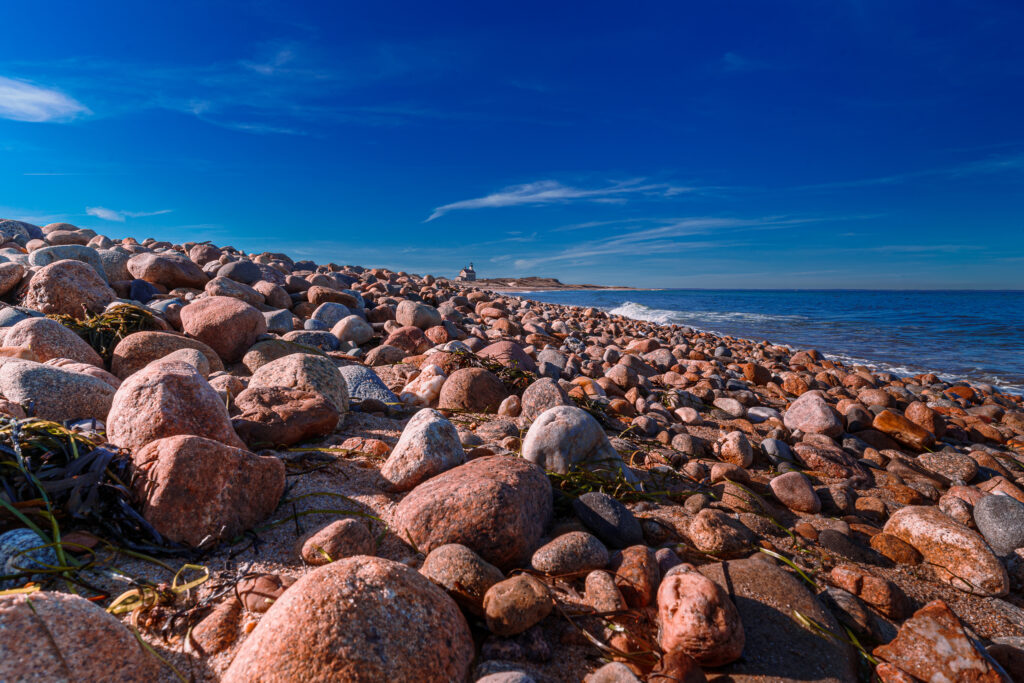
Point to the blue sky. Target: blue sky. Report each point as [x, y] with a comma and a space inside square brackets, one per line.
[713, 144]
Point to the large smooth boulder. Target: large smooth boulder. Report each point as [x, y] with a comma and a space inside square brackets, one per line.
[139, 349]
[473, 389]
[358, 619]
[417, 314]
[429, 445]
[169, 270]
[227, 325]
[958, 555]
[52, 636]
[565, 436]
[49, 339]
[812, 414]
[55, 393]
[74, 252]
[68, 288]
[194, 489]
[307, 372]
[168, 398]
[497, 506]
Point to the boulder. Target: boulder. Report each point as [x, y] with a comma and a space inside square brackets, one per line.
[417, 314]
[139, 349]
[358, 619]
[811, 414]
[1000, 519]
[959, 556]
[565, 436]
[194, 490]
[168, 270]
[51, 636]
[429, 445]
[55, 393]
[497, 506]
[474, 389]
[277, 416]
[167, 398]
[509, 354]
[306, 372]
[49, 339]
[227, 325]
[339, 539]
[68, 288]
[903, 430]
[541, 395]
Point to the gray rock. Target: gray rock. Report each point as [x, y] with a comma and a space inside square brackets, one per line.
[429, 445]
[245, 272]
[315, 325]
[1000, 519]
[564, 436]
[730, 407]
[325, 341]
[610, 520]
[12, 229]
[330, 313]
[115, 264]
[75, 252]
[575, 551]
[20, 551]
[279, 322]
[363, 383]
[553, 356]
[777, 451]
[54, 393]
[353, 329]
[758, 414]
[10, 316]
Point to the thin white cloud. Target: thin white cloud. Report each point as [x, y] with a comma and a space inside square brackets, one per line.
[24, 101]
[553, 192]
[120, 216]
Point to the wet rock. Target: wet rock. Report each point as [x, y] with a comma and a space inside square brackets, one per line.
[167, 399]
[429, 445]
[697, 617]
[51, 636]
[464, 574]
[608, 519]
[194, 489]
[228, 326]
[339, 539]
[569, 553]
[358, 619]
[933, 646]
[515, 604]
[495, 505]
[958, 555]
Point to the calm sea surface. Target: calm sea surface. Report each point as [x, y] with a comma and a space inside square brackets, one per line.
[959, 335]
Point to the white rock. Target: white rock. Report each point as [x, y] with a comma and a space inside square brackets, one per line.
[425, 388]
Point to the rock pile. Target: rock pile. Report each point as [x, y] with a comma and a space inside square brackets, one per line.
[513, 472]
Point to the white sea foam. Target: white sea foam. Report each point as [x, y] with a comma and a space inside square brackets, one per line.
[631, 309]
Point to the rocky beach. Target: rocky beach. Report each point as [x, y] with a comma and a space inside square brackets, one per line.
[224, 466]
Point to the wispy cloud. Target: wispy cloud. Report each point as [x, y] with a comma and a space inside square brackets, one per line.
[25, 101]
[553, 192]
[989, 165]
[120, 216]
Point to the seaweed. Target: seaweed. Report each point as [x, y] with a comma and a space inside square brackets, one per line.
[103, 331]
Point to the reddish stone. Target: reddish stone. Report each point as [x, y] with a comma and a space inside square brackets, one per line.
[409, 339]
[278, 416]
[903, 430]
[473, 389]
[68, 287]
[637, 575]
[139, 349]
[697, 617]
[169, 270]
[229, 326]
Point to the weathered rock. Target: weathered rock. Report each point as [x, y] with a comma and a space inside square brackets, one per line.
[811, 414]
[736, 449]
[464, 574]
[883, 595]
[569, 553]
[959, 556]
[75, 252]
[167, 270]
[697, 617]
[714, 532]
[55, 393]
[194, 489]
[429, 445]
[933, 646]
[1000, 519]
[278, 416]
[564, 436]
[227, 325]
[139, 349]
[51, 636]
[358, 619]
[305, 372]
[167, 399]
[495, 505]
[337, 540]
[541, 395]
[514, 605]
[410, 340]
[474, 389]
[219, 629]
[363, 383]
[10, 275]
[425, 389]
[49, 339]
[602, 594]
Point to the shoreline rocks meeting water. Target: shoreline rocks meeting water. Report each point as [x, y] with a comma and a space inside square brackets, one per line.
[371, 475]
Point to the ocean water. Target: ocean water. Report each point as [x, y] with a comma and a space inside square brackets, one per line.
[959, 335]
